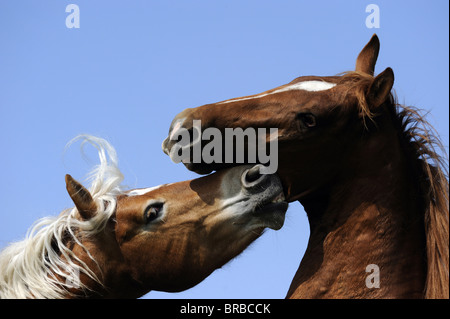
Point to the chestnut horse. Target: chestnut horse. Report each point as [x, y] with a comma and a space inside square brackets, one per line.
[367, 172]
[117, 243]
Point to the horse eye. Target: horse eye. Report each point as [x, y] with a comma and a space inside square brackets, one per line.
[308, 119]
[152, 212]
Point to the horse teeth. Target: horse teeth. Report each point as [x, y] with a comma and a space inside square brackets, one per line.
[280, 198]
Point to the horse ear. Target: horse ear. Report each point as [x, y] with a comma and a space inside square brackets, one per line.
[380, 88]
[81, 197]
[368, 56]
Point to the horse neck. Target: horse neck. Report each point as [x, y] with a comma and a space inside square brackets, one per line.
[367, 217]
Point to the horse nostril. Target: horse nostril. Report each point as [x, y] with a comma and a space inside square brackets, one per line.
[253, 174]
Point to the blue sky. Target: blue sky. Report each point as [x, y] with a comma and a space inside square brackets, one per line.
[133, 65]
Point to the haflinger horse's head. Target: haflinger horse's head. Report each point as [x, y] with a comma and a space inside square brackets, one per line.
[316, 117]
[124, 243]
[171, 237]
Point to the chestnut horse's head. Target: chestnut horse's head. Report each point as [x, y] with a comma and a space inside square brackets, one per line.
[344, 146]
[117, 243]
[318, 119]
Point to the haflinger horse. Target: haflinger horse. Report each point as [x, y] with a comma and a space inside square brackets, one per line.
[117, 243]
[367, 172]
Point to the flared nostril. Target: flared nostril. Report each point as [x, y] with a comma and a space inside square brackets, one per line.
[253, 174]
[253, 177]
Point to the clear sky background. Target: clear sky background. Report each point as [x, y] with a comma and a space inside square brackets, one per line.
[133, 65]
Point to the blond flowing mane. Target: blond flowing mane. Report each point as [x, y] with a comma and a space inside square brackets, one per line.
[34, 267]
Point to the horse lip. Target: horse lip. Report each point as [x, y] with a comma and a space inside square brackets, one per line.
[276, 198]
[283, 205]
[274, 214]
[279, 198]
[164, 146]
[276, 202]
[198, 169]
[274, 206]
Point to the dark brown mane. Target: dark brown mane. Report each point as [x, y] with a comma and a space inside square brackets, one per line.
[422, 144]
[429, 166]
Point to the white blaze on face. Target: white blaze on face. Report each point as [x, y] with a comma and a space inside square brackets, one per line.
[142, 191]
[310, 86]
[176, 127]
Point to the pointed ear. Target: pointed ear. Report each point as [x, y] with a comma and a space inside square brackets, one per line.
[81, 197]
[380, 88]
[368, 56]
